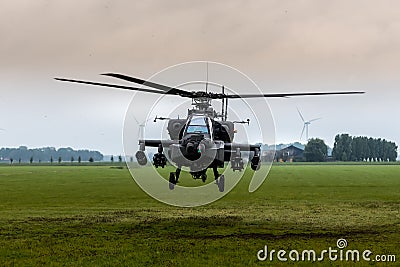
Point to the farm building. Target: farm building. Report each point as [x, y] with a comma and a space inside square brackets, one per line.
[293, 152]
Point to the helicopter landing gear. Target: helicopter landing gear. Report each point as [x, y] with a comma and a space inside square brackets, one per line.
[219, 180]
[221, 183]
[199, 175]
[174, 177]
[172, 181]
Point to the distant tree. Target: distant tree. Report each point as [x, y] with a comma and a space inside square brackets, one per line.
[112, 158]
[79, 159]
[379, 149]
[316, 150]
[45, 153]
[51, 159]
[31, 160]
[390, 151]
[91, 159]
[59, 159]
[342, 148]
[362, 148]
[344, 156]
[120, 158]
[356, 149]
[337, 149]
[72, 159]
[19, 161]
[372, 149]
[11, 160]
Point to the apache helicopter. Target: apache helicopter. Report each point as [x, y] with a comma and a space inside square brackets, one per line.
[205, 138]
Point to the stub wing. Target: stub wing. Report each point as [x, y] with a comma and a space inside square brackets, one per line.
[157, 143]
[242, 147]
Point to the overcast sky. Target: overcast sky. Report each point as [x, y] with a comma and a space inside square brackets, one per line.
[284, 46]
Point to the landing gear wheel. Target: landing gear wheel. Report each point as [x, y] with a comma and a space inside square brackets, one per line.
[221, 183]
[172, 181]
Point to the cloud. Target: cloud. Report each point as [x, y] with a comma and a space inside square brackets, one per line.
[261, 34]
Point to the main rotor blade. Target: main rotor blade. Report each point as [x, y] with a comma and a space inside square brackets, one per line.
[170, 90]
[291, 94]
[115, 86]
[301, 116]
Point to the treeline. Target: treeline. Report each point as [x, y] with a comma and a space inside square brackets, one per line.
[361, 148]
[48, 154]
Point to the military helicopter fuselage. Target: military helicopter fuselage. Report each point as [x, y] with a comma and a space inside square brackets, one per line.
[199, 142]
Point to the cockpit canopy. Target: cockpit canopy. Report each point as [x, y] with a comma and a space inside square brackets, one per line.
[199, 125]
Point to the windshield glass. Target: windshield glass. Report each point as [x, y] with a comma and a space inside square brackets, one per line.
[198, 125]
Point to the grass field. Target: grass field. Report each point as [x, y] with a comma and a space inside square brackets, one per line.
[70, 215]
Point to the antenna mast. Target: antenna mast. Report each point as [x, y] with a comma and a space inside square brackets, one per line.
[226, 109]
[223, 104]
[207, 78]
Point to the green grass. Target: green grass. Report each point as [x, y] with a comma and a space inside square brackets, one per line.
[96, 215]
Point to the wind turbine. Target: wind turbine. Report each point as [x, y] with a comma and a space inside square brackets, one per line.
[306, 124]
[141, 127]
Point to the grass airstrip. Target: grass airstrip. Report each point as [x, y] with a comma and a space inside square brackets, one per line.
[97, 215]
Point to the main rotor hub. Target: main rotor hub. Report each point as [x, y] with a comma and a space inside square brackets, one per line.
[202, 104]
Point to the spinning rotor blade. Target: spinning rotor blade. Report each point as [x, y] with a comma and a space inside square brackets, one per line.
[290, 94]
[301, 136]
[116, 86]
[314, 119]
[111, 85]
[166, 89]
[301, 116]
